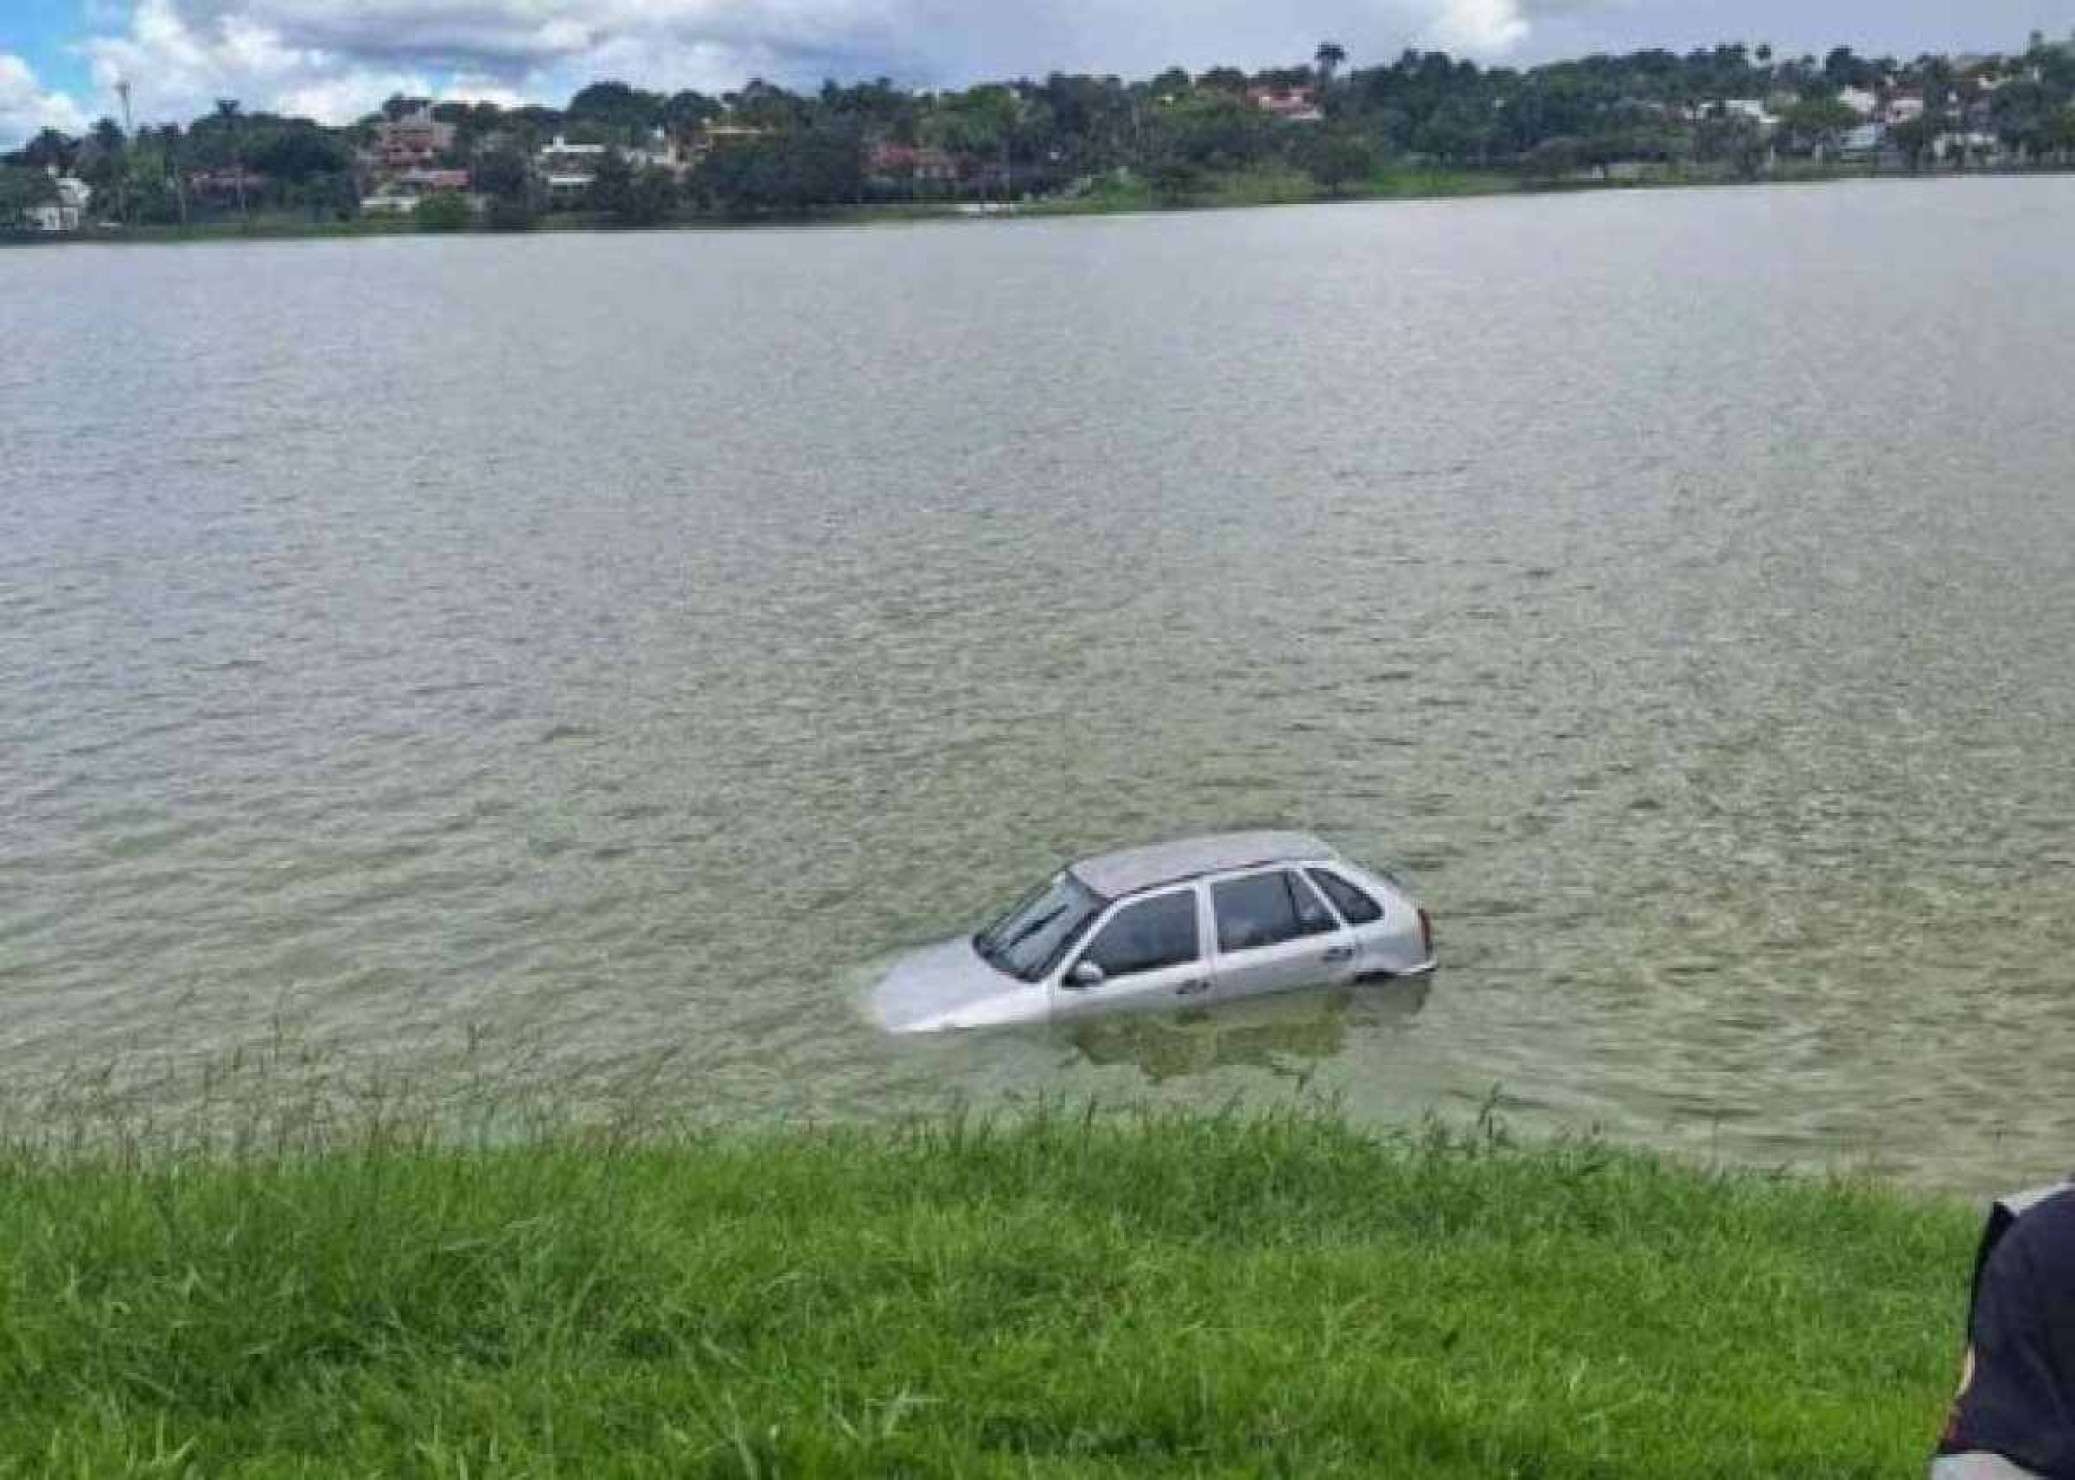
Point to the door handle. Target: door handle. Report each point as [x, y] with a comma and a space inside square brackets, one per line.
[1338, 954]
[1191, 989]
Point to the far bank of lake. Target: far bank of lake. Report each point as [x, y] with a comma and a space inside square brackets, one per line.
[1276, 187]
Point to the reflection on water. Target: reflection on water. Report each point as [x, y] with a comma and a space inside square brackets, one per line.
[611, 643]
[1285, 1037]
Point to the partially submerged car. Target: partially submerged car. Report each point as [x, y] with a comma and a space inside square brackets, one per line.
[1201, 920]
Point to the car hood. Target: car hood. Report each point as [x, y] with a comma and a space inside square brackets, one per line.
[947, 986]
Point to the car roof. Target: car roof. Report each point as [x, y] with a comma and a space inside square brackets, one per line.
[1114, 875]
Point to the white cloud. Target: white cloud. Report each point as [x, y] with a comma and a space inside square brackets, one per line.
[336, 59]
[179, 60]
[1480, 27]
[27, 107]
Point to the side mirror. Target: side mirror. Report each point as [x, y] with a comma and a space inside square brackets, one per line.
[1085, 974]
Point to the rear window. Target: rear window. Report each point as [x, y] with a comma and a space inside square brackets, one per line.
[1351, 901]
[1265, 910]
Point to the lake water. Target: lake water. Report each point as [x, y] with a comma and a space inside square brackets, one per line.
[622, 644]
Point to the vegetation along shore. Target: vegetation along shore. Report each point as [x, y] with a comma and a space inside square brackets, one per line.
[1424, 123]
[1055, 1294]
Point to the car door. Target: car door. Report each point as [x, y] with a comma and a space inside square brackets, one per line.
[1274, 934]
[1151, 954]
[1366, 918]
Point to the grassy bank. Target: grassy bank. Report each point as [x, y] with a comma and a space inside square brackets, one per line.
[1060, 1297]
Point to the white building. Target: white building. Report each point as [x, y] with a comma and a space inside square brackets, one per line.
[1864, 142]
[662, 153]
[1753, 109]
[568, 169]
[1859, 100]
[67, 212]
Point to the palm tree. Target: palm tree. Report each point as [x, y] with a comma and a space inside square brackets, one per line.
[227, 110]
[1330, 55]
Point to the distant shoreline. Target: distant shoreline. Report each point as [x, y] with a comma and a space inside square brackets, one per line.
[1236, 192]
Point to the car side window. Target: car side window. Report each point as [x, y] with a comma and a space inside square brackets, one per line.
[1147, 935]
[1350, 900]
[1265, 910]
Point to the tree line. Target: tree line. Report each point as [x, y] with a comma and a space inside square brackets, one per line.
[781, 149]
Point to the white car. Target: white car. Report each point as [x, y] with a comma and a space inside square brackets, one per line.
[1197, 921]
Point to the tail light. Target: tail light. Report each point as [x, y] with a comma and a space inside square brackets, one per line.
[1426, 934]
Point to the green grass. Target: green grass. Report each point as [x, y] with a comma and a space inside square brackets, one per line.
[1060, 1295]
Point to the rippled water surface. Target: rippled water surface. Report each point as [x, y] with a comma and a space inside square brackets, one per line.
[625, 642]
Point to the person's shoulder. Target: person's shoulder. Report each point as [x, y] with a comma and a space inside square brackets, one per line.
[2044, 1224]
[2037, 1199]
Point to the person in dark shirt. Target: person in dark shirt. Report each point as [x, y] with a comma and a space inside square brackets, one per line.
[2015, 1413]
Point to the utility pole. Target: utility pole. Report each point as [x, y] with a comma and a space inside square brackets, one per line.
[129, 139]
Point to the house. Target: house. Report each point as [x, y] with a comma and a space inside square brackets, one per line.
[1859, 100]
[1752, 109]
[399, 194]
[1866, 142]
[1967, 146]
[230, 183]
[67, 212]
[712, 136]
[661, 152]
[425, 182]
[1287, 104]
[417, 138]
[567, 169]
[1903, 107]
[922, 164]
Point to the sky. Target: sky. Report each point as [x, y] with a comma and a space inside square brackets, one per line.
[337, 59]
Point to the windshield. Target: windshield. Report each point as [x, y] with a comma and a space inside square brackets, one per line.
[1031, 937]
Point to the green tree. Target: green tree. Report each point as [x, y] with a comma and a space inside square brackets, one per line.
[22, 189]
[299, 151]
[103, 162]
[49, 149]
[627, 111]
[2060, 135]
[1175, 180]
[686, 110]
[443, 210]
[1173, 83]
[506, 179]
[1339, 158]
[611, 190]
[1553, 158]
[2021, 112]
[652, 198]
[1843, 69]
[1912, 138]
[1733, 141]
[784, 172]
[1818, 123]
